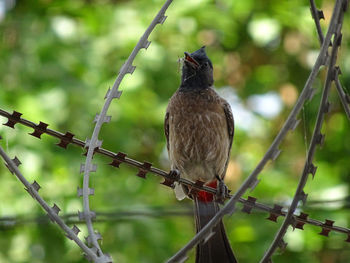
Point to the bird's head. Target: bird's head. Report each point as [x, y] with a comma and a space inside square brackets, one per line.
[197, 71]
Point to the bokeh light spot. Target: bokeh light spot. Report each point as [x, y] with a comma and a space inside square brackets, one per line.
[289, 94]
[263, 31]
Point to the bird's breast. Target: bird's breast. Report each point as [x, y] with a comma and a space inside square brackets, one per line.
[198, 135]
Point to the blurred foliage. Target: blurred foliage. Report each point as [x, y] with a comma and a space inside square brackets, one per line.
[57, 60]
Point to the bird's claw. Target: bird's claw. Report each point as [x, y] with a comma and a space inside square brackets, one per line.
[221, 191]
[175, 174]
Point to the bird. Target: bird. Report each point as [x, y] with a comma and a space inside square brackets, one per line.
[199, 131]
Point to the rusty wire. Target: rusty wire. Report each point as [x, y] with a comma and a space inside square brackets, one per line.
[274, 211]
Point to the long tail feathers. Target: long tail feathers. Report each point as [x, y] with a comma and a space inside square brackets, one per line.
[217, 249]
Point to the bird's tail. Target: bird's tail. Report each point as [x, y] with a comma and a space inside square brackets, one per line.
[217, 249]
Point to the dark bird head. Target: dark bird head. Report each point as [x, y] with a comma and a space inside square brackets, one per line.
[197, 71]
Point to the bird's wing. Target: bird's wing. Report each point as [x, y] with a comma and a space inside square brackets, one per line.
[230, 129]
[230, 121]
[166, 129]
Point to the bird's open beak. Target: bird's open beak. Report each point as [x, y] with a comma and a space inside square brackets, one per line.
[191, 60]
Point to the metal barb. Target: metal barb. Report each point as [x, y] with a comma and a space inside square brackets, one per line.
[16, 161]
[15, 117]
[144, 169]
[75, 230]
[298, 223]
[342, 95]
[248, 206]
[275, 212]
[325, 228]
[39, 130]
[65, 140]
[80, 191]
[117, 162]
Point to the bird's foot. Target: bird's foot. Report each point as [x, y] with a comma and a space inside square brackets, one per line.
[174, 174]
[221, 191]
[180, 190]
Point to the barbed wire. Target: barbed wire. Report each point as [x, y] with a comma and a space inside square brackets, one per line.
[317, 15]
[274, 211]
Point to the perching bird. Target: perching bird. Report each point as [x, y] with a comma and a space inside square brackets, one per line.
[199, 130]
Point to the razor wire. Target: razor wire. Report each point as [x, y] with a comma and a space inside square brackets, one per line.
[317, 15]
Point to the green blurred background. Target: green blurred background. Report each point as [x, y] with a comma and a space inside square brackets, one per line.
[57, 60]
